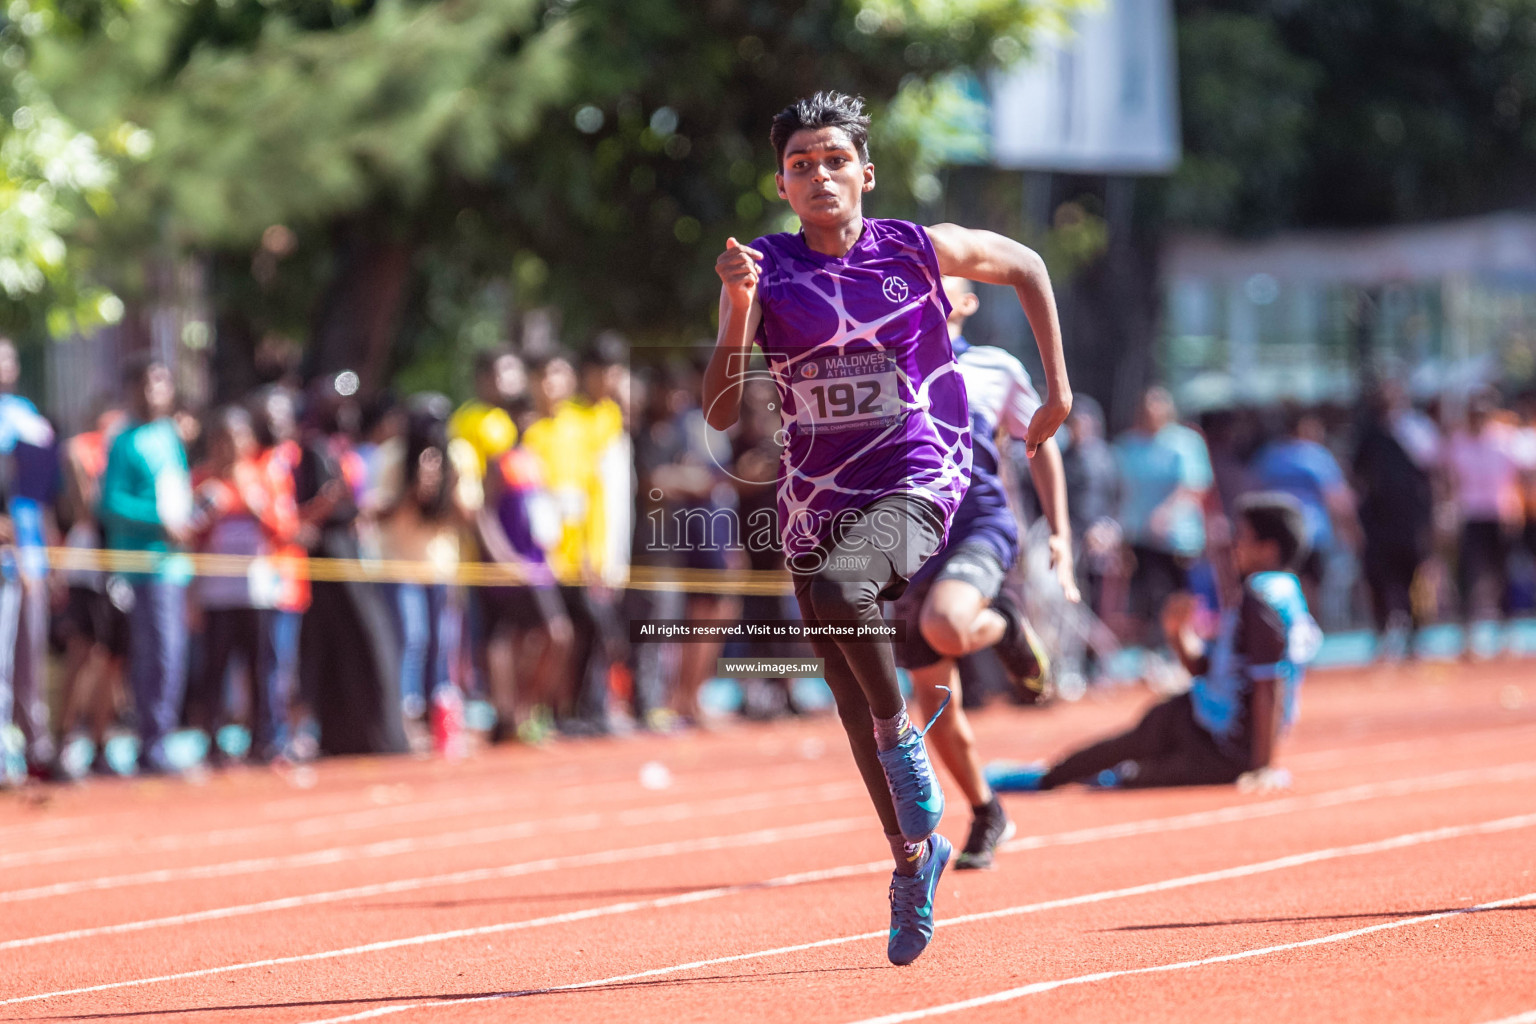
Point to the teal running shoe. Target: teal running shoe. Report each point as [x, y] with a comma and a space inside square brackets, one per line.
[914, 790]
[912, 904]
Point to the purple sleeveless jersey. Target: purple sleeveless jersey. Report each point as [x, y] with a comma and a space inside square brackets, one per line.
[870, 395]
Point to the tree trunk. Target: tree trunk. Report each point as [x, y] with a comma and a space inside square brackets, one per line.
[1109, 312]
[358, 314]
[234, 349]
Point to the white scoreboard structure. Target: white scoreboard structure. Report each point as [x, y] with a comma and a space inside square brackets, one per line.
[1099, 98]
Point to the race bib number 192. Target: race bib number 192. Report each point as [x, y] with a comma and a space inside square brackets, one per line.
[855, 391]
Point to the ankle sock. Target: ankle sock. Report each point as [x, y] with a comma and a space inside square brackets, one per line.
[889, 731]
[910, 857]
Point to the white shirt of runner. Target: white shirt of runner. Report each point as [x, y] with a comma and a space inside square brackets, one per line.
[999, 388]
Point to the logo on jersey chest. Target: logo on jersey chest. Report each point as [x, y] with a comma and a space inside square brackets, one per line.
[895, 289]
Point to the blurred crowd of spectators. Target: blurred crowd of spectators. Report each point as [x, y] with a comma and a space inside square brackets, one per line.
[537, 478]
[578, 477]
[1415, 514]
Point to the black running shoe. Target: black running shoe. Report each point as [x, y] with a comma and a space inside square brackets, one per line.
[1021, 652]
[989, 829]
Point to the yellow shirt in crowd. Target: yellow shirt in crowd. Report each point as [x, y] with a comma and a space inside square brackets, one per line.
[487, 428]
[572, 444]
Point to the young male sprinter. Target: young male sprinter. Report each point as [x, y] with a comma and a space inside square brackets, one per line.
[955, 599]
[1244, 695]
[850, 314]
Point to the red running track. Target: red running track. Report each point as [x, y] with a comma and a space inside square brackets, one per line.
[1394, 883]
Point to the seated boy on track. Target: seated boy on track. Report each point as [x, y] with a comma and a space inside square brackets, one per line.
[1245, 690]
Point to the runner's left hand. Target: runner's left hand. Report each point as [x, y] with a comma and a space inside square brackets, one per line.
[1066, 568]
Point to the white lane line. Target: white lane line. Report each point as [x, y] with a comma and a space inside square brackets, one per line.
[449, 840]
[701, 895]
[1241, 871]
[618, 778]
[684, 811]
[1149, 826]
[428, 808]
[1519, 1018]
[338, 821]
[1519, 772]
[1396, 750]
[1184, 965]
[325, 825]
[42, 829]
[747, 839]
[344, 820]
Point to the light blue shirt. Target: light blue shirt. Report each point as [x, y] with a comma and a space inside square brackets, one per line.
[1220, 696]
[1153, 468]
[145, 487]
[22, 424]
[20, 420]
[1307, 472]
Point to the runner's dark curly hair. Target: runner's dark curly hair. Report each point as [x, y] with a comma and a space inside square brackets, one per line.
[825, 109]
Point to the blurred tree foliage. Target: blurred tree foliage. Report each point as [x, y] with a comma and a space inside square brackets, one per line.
[1322, 112]
[668, 153]
[307, 148]
[383, 179]
[54, 180]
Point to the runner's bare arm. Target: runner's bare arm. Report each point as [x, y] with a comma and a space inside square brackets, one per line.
[739, 316]
[1051, 485]
[995, 259]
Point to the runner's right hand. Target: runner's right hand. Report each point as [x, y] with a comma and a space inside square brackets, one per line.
[738, 269]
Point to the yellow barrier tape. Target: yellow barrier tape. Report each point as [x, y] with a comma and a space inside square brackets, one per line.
[369, 570]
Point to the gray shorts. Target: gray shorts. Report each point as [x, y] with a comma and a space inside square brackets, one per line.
[878, 548]
[972, 561]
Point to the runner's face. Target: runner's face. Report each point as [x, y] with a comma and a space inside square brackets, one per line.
[963, 302]
[823, 178]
